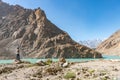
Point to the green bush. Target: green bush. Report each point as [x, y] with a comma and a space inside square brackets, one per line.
[48, 62]
[70, 75]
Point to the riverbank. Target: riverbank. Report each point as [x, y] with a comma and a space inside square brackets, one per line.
[90, 70]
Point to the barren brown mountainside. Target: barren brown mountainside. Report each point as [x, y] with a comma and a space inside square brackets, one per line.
[36, 36]
[111, 45]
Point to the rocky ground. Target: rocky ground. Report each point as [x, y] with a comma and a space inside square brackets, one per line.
[92, 70]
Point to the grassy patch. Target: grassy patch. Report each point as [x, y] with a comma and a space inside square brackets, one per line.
[70, 75]
[91, 71]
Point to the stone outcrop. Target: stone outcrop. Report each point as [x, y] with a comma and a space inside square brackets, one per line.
[36, 36]
[111, 45]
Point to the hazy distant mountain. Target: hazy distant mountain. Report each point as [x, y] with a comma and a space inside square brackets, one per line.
[36, 36]
[91, 43]
[111, 45]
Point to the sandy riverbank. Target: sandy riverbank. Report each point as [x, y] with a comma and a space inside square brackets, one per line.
[92, 70]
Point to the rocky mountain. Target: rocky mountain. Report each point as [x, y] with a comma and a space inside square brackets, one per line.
[36, 36]
[111, 45]
[91, 43]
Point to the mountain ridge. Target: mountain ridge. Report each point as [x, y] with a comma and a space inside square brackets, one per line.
[111, 45]
[36, 35]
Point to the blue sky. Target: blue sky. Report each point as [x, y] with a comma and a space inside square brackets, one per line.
[81, 19]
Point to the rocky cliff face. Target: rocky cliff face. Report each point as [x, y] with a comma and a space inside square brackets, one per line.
[36, 36]
[111, 45]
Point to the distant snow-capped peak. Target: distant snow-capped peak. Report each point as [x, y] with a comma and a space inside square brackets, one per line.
[91, 43]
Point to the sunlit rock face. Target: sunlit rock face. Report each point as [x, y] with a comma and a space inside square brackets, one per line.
[36, 36]
[111, 45]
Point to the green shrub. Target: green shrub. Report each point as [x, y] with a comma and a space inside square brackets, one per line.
[70, 75]
[49, 61]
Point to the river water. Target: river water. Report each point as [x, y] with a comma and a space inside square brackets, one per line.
[106, 57]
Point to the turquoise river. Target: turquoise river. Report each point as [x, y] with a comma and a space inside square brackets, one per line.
[106, 57]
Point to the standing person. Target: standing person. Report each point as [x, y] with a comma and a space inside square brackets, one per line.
[18, 54]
